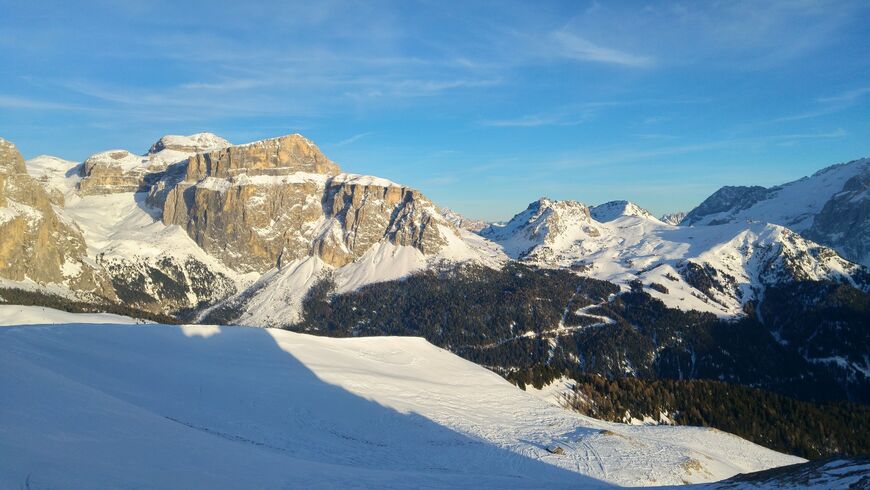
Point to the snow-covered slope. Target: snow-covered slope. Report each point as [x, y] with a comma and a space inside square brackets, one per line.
[38, 315]
[709, 268]
[230, 407]
[797, 205]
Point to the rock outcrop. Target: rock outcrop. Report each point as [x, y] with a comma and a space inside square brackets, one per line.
[117, 171]
[35, 242]
[260, 205]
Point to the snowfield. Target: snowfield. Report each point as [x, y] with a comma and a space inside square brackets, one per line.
[24, 315]
[153, 406]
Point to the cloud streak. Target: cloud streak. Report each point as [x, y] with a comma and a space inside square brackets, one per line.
[353, 139]
[574, 47]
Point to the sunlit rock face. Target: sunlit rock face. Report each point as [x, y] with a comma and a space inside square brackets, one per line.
[35, 242]
[259, 205]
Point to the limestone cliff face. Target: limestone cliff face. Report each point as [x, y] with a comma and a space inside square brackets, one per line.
[116, 171]
[278, 156]
[35, 243]
[259, 205]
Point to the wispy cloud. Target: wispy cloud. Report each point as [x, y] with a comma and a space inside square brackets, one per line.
[533, 120]
[582, 113]
[16, 102]
[352, 139]
[629, 155]
[575, 47]
[846, 97]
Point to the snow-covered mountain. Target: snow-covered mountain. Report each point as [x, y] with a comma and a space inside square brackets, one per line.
[197, 220]
[226, 407]
[198, 226]
[831, 207]
[462, 222]
[613, 210]
[673, 218]
[712, 268]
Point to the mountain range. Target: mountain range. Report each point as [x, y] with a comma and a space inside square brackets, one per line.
[274, 215]
[763, 287]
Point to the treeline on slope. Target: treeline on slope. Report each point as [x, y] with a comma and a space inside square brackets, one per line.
[802, 428]
[508, 321]
[461, 308]
[15, 296]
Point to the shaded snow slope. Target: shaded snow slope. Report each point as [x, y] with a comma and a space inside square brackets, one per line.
[230, 407]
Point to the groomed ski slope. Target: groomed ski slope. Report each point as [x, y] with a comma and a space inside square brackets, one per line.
[154, 406]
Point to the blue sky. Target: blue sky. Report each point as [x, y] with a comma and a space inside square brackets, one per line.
[484, 106]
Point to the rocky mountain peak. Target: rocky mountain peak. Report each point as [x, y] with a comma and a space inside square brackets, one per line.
[829, 207]
[544, 223]
[11, 160]
[276, 156]
[194, 143]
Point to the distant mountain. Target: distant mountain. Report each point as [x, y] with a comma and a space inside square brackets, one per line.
[831, 207]
[673, 218]
[612, 210]
[462, 222]
[713, 268]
